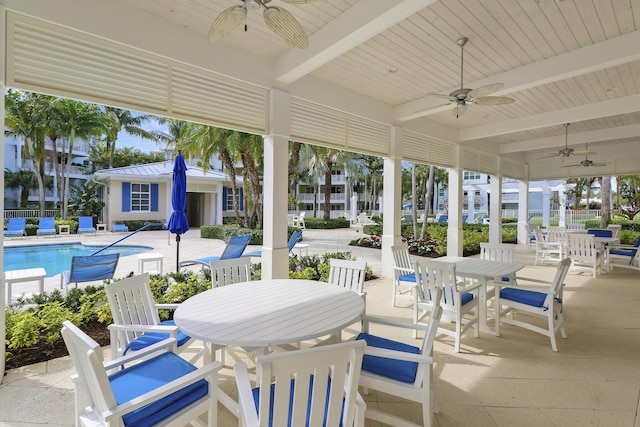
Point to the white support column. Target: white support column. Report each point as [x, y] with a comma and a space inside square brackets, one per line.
[546, 204]
[495, 209]
[471, 199]
[392, 184]
[275, 255]
[523, 211]
[3, 90]
[454, 230]
[562, 198]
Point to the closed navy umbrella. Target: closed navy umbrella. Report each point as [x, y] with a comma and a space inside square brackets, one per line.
[178, 223]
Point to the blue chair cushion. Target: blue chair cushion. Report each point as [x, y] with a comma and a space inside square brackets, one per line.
[208, 259]
[466, 297]
[256, 401]
[399, 370]
[154, 337]
[532, 298]
[409, 277]
[144, 377]
[253, 253]
[600, 233]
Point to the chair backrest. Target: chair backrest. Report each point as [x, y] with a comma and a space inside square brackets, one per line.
[426, 348]
[93, 267]
[581, 247]
[558, 281]
[600, 232]
[431, 275]
[85, 222]
[16, 224]
[497, 251]
[228, 271]
[235, 247]
[443, 218]
[131, 303]
[92, 383]
[325, 377]
[297, 235]
[615, 230]
[575, 227]
[464, 218]
[347, 274]
[557, 234]
[47, 223]
[401, 258]
[540, 241]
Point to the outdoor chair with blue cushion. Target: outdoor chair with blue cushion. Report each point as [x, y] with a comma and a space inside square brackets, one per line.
[311, 387]
[234, 249]
[162, 389]
[628, 254]
[89, 269]
[541, 302]
[600, 232]
[16, 227]
[47, 226]
[502, 252]
[459, 300]
[136, 323]
[443, 218]
[297, 235]
[403, 273]
[85, 225]
[400, 369]
[120, 228]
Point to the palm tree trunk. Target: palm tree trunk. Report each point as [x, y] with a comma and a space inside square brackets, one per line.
[327, 192]
[65, 203]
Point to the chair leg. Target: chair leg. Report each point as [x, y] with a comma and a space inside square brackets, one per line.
[393, 298]
[552, 333]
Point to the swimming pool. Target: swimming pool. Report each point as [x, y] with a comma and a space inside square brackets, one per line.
[56, 258]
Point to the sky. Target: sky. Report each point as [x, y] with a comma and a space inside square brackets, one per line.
[144, 145]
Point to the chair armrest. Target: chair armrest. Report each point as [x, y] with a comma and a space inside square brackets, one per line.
[403, 270]
[159, 347]
[245, 396]
[462, 287]
[388, 322]
[397, 355]
[168, 306]
[532, 280]
[622, 246]
[208, 371]
[144, 328]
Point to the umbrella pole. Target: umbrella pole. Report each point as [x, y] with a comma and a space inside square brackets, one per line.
[177, 253]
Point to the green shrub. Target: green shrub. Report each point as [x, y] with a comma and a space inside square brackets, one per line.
[50, 318]
[23, 329]
[326, 224]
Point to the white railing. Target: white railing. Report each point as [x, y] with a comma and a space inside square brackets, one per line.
[29, 213]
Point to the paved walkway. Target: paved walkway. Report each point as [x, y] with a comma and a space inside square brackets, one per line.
[512, 380]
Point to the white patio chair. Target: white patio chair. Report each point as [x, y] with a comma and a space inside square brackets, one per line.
[628, 255]
[347, 274]
[546, 251]
[615, 230]
[312, 387]
[502, 252]
[545, 302]
[136, 323]
[228, 271]
[162, 390]
[459, 300]
[401, 369]
[575, 226]
[299, 221]
[404, 275]
[531, 235]
[584, 253]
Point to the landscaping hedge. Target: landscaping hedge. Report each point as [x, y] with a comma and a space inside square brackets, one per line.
[225, 232]
[326, 224]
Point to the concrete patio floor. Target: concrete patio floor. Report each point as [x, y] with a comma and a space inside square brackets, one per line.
[511, 380]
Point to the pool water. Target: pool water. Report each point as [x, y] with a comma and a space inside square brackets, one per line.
[57, 257]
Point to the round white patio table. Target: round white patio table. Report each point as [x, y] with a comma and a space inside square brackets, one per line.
[262, 313]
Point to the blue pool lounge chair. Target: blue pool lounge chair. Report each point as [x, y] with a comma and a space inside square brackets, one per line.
[85, 225]
[292, 242]
[16, 227]
[46, 226]
[234, 249]
[120, 228]
[89, 269]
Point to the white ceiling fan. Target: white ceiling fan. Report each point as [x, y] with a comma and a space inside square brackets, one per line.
[278, 19]
[463, 97]
[566, 151]
[586, 162]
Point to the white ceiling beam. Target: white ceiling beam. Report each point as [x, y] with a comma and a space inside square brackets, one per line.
[606, 54]
[621, 132]
[359, 23]
[595, 110]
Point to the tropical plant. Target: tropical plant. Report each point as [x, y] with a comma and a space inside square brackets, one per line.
[117, 120]
[24, 180]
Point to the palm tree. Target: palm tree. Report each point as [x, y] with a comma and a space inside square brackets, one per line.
[24, 120]
[313, 161]
[605, 194]
[77, 119]
[117, 119]
[23, 179]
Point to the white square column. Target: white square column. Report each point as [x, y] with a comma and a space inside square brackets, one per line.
[392, 185]
[454, 230]
[495, 209]
[523, 212]
[275, 254]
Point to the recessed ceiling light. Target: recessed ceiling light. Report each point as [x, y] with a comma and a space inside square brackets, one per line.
[392, 69]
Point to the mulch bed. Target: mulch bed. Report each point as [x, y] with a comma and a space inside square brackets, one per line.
[44, 352]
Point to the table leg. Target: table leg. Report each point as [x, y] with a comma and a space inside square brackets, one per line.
[482, 308]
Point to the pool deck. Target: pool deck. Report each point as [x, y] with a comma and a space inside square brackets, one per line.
[511, 380]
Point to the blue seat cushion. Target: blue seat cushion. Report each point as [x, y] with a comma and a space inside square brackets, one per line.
[257, 253]
[409, 277]
[256, 401]
[532, 298]
[154, 337]
[399, 370]
[465, 298]
[144, 377]
[208, 259]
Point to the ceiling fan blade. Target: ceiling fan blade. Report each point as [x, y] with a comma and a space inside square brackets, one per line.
[286, 26]
[460, 110]
[299, 1]
[447, 97]
[599, 164]
[494, 100]
[550, 156]
[226, 22]
[485, 90]
[584, 152]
